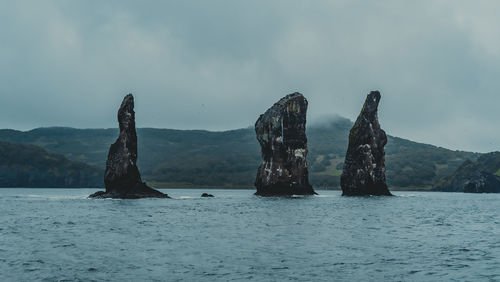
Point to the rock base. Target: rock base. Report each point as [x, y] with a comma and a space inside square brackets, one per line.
[143, 191]
[284, 190]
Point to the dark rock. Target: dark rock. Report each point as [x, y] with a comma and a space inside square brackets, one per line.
[122, 178]
[205, 195]
[480, 176]
[364, 167]
[483, 182]
[281, 132]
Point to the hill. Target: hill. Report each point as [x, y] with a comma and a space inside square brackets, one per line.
[186, 158]
[409, 164]
[31, 166]
[486, 169]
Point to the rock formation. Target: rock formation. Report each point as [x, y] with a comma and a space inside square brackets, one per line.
[122, 178]
[206, 195]
[482, 182]
[281, 132]
[364, 167]
[480, 176]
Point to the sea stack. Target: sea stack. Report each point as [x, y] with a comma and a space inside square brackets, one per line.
[364, 167]
[281, 132]
[122, 178]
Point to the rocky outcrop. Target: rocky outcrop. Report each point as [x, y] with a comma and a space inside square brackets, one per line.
[364, 167]
[482, 182]
[122, 178]
[281, 132]
[480, 176]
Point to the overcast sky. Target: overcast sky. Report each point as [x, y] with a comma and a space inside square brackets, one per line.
[219, 64]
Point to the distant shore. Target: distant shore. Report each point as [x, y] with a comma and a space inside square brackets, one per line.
[418, 189]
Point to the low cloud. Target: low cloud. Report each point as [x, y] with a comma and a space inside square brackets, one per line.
[219, 64]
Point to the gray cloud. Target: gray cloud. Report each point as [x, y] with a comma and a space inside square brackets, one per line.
[219, 64]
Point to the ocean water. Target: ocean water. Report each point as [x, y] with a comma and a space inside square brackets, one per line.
[60, 235]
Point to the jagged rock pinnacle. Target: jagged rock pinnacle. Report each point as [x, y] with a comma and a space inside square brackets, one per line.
[281, 132]
[364, 167]
[122, 178]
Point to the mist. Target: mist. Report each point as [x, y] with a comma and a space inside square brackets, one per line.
[217, 65]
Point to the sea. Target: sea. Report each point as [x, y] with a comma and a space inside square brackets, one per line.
[61, 235]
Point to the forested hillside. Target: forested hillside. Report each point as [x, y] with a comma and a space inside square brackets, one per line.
[184, 158]
[31, 166]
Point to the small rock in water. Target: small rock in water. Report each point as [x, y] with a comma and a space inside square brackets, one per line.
[364, 167]
[281, 132]
[205, 195]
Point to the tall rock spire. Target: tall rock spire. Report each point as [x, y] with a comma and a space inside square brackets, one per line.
[122, 178]
[281, 132]
[364, 167]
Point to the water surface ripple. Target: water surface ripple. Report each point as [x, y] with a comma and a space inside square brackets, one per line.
[60, 235]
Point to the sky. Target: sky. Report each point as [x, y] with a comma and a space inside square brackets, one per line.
[218, 65]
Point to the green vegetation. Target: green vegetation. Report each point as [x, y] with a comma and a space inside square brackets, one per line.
[32, 166]
[197, 158]
[488, 163]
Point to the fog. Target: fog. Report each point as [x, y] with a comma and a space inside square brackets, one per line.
[217, 65]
